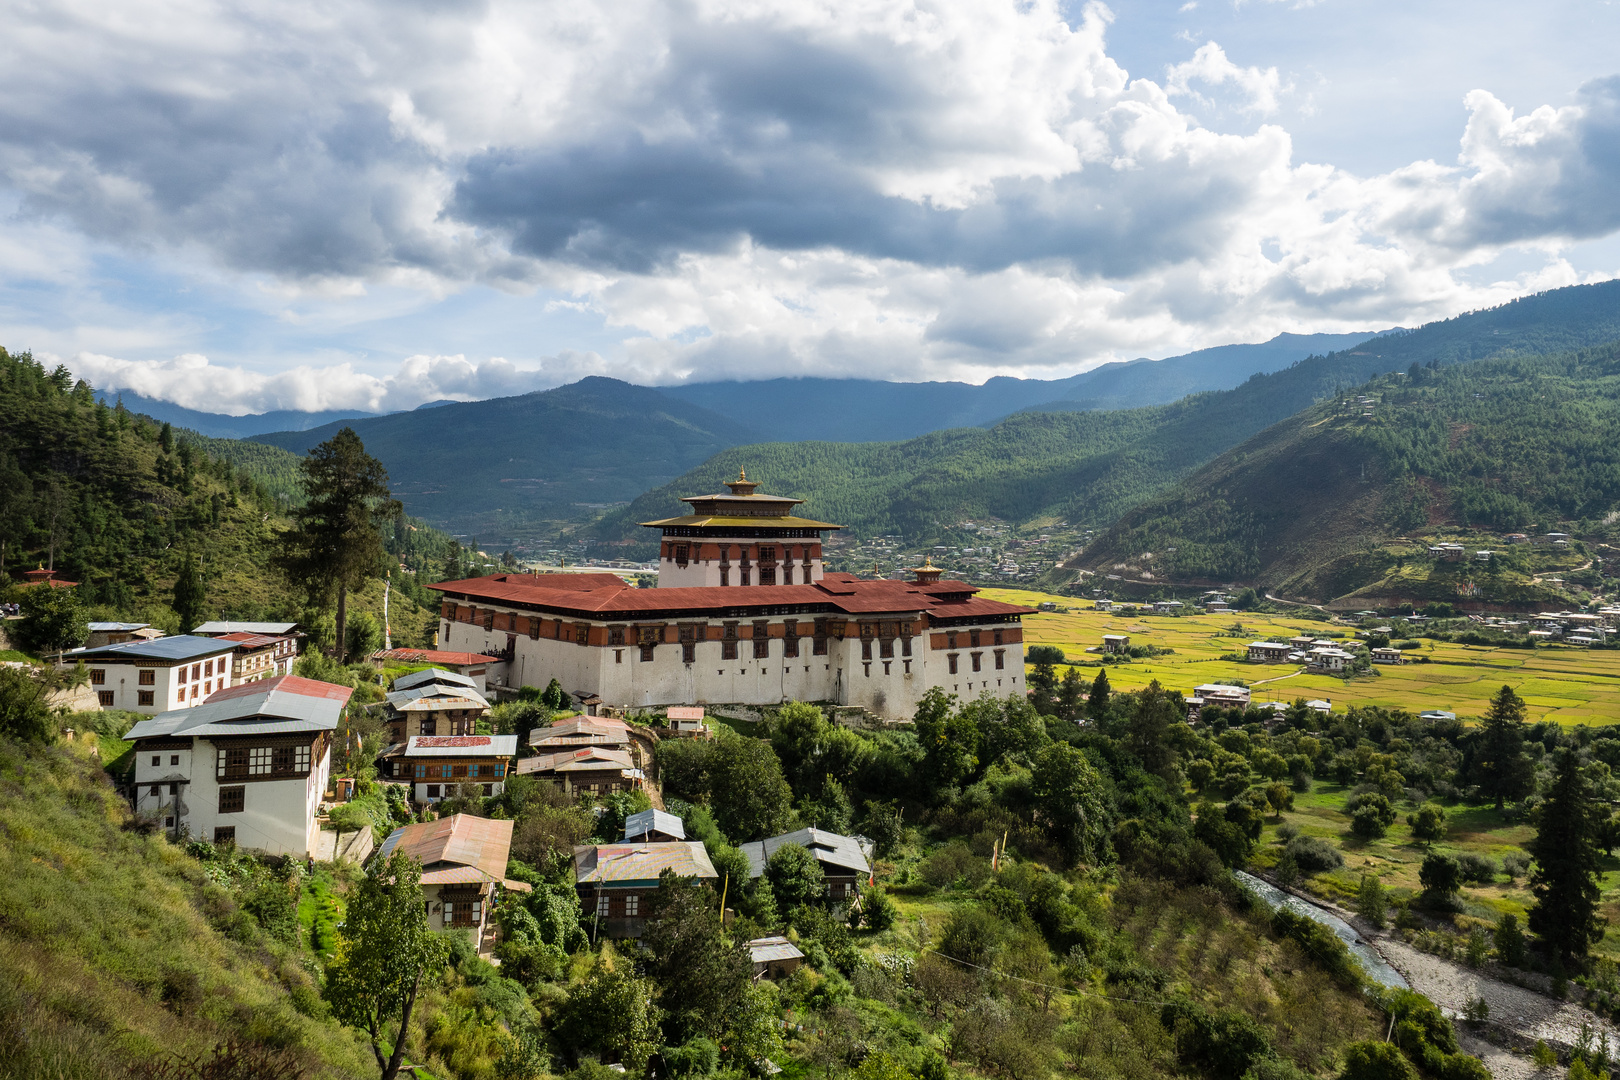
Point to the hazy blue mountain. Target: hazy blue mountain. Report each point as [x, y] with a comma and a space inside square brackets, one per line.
[864, 410]
[510, 465]
[220, 426]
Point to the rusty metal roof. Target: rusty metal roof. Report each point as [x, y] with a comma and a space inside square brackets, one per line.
[641, 864]
[460, 840]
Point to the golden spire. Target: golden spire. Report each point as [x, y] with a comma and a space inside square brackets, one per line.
[742, 475]
[928, 562]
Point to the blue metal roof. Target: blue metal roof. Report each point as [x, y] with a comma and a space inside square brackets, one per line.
[179, 647]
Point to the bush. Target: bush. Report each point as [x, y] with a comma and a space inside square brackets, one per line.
[1516, 864]
[1476, 868]
[1313, 854]
[1510, 944]
[1371, 815]
[1044, 654]
[1441, 876]
[1373, 1060]
[1224, 1045]
[1428, 823]
[878, 912]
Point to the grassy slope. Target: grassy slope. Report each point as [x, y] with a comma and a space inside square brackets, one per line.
[1306, 506]
[1091, 467]
[1564, 684]
[97, 922]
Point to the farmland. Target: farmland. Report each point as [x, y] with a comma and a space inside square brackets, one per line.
[1566, 685]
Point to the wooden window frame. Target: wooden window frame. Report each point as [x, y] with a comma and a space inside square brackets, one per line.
[146, 677]
[233, 800]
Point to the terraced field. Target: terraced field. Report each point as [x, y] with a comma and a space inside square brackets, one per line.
[1568, 685]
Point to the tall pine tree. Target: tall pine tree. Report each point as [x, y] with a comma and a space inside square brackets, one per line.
[1501, 768]
[1097, 701]
[189, 594]
[337, 541]
[1565, 881]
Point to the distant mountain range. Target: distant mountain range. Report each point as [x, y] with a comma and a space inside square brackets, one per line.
[1092, 467]
[220, 426]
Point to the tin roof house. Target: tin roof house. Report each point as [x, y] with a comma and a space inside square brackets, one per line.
[843, 859]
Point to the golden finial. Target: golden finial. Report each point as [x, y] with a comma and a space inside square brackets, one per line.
[742, 475]
[928, 562]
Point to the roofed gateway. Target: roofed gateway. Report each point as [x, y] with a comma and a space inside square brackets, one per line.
[743, 614]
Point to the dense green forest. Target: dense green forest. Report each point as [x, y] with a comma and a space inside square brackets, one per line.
[1091, 467]
[1518, 444]
[117, 502]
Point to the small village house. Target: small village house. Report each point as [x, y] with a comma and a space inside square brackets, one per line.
[774, 957]
[433, 702]
[615, 880]
[1330, 659]
[1387, 655]
[686, 720]
[158, 675]
[463, 861]
[260, 656]
[248, 766]
[843, 861]
[1116, 644]
[1269, 652]
[438, 766]
[589, 770]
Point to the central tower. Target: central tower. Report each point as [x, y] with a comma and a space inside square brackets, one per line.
[739, 539]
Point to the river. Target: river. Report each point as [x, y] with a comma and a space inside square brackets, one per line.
[1372, 962]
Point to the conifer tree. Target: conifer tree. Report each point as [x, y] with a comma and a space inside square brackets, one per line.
[1097, 701]
[1501, 768]
[1565, 881]
[336, 542]
[189, 594]
[1071, 693]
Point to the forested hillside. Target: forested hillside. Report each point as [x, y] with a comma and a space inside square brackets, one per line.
[1090, 467]
[1520, 444]
[522, 464]
[117, 502]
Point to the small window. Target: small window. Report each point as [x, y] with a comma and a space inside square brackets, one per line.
[725, 575]
[148, 677]
[208, 668]
[866, 648]
[232, 799]
[104, 698]
[905, 646]
[458, 770]
[433, 791]
[743, 576]
[632, 904]
[615, 635]
[225, 834]
[998, 639]
[98, 676]
[952, 659]
[157, 789]
[157, 759]
[603, 905]
[647, 653]
[1001, 659]
[977, 658]
[973, 638]
[767, 575]
[144, 697]
[688, 653]
[886, 648]
[618, 656]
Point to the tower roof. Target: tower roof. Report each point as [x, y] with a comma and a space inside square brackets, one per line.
[742, 507]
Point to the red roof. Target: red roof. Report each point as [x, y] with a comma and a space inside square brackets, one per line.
[251, 641]
[435, 656]
[452, 740]
[287, 684]
[840, 592]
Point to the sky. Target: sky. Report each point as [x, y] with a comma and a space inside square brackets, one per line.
[366, 206]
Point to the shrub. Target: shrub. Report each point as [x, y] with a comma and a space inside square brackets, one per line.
[1428, 823]
[1286, 832]
[1370, 815]
[1441, 876]
[1515, 864]
[1044, 654]
[1480, 869]
[1313, 854]
[1224, 1045]
[1371, 903]
[1510, 946]
[878, 912]
[1372, 1060]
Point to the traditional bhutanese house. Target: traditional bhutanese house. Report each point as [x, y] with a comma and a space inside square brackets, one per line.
[268, 629]
[843, 862]
[614, 880]
[774, 957]
[1301, 643]
[1116, 643]
[474, 665]
[653, 826]
[1516, 538]
[247, 766]
[463, 861]
[581, 732]
[1269, 652]
[260, 656]
[113, 633]
[686, 720]
[1320, 705]
[1387, 655]
[158, 675]
[1330, 659]
[1167, 607]
[743, 614]
[590, 770]
[1105, 605]
[433, 702]
[437, 766]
